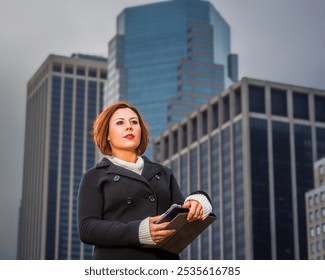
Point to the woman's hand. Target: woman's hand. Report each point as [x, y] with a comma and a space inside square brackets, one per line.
[196, 210]
[157, 231]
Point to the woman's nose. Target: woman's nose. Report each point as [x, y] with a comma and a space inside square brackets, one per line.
[129, 127]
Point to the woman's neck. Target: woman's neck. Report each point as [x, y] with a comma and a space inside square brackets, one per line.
[126, 156]
[136, 167]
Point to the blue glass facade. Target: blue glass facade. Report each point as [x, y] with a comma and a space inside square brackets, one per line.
[320, 138]
[304, 177]
[78, 160]
[204, 183]
[215, 196]
[283, 190]
[65, 168]
[167, 61]
[200, 169]
[260, 190]
[238, 162]
[226, 193]
[152, 50]
[53, 168]
[74, 130]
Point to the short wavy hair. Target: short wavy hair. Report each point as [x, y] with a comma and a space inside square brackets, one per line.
[101, 128]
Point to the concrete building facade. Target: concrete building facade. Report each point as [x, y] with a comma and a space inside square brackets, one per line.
[315, 213]
[252, 149]
[63, 98]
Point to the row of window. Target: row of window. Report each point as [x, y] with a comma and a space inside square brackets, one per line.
[279, 103]
[199, 126]
[317, 230]
[314, 200]
[317, 247]
[210, 69]
[79, 70]
[314, 216]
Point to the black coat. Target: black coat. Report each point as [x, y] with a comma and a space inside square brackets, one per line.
[113, 201]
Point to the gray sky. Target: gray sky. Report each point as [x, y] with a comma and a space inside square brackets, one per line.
[278, 40]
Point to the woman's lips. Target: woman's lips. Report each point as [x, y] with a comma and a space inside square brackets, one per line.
[129, 136]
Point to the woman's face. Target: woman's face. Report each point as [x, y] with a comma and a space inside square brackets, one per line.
[124, 131]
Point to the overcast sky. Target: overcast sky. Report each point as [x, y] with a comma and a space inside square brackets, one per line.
[277, 40]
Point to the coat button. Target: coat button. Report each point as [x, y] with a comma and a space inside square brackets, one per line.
[157, 177]
[129, 200]
[116, 178]
[152, 198]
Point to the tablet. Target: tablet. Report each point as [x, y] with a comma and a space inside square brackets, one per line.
[171, 213]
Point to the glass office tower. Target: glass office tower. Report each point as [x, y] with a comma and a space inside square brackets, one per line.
[252, 148]
[169, 58]
[63, 98]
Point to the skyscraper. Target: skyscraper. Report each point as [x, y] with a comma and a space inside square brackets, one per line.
[252, 148]
[169, 58]
[63, 98]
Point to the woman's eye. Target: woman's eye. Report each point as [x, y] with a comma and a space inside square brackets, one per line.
[119, 122]
[135, 122]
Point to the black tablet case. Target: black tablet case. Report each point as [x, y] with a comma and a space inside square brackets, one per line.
[185, 233]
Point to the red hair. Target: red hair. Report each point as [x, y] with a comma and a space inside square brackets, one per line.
[101, 128]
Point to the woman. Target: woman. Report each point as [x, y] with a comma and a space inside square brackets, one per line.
[122, 197]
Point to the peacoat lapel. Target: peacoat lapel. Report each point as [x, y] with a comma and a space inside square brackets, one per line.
[150, 169]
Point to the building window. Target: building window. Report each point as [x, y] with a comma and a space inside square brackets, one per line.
[81, 71]
[56, 67]
[323, 227]
[166, 147]
[157, 150]
[237, 101]
[320, 140]
[226, 109]
[321, 169]
[68, 69]
[318, 230]
[316, 198]
[103, 74]
[215, 116]
[175, 142]
[312, 232]
[310, 201]
[311, 216]
[279, 102]
[204, 121]
[300, 106]
[194, 129]
[184, 136]
[323, 212]
[316, 215]
[256, 99]
[319, 108]
[322, 196]
[92, 73]
[312, 249]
